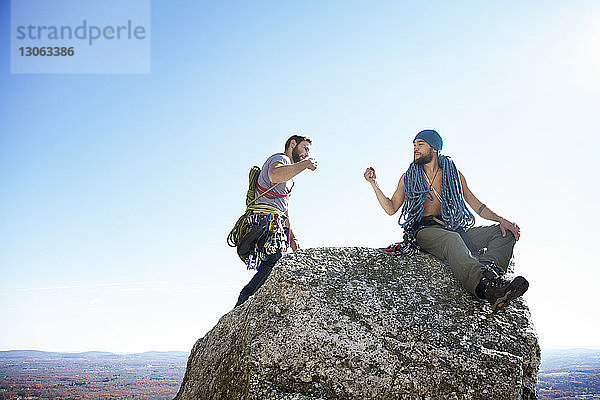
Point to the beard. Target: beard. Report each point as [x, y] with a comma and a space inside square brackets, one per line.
[295, 155]
[425, 159]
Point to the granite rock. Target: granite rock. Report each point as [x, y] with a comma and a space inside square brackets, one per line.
[359, 323]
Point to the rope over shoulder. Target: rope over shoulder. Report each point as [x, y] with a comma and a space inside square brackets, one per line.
[233, 239]
[455, 214]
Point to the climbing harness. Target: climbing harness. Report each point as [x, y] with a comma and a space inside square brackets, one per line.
[260, 231]
[240, 227]
[272, 238]
[404, 248]
[272, 195]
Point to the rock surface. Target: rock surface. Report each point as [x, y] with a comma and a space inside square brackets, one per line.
[357, 323]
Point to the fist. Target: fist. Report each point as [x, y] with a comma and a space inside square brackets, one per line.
[370, 174]
[311, 163]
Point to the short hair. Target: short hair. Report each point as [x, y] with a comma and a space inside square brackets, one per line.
[298, 139]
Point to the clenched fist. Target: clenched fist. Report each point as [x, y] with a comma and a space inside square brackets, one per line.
[311, 163]
[370, 174]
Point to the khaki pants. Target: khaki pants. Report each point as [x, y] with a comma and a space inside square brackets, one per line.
[449, 246]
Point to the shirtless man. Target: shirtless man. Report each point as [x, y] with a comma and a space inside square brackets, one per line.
[437, 219]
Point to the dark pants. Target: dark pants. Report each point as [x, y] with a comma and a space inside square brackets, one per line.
[264, 270]
[448, 245]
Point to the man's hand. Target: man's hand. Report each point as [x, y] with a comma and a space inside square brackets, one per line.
[311, 163]
[390, 206]
[370, 174]
[506, 225]
[294, 244]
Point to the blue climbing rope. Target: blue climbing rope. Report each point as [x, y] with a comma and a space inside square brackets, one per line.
[455, 214]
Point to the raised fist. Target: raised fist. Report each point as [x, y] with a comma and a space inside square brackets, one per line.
[311, 163]
[370, 174]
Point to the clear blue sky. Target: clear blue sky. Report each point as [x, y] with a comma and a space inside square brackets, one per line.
[118, 190]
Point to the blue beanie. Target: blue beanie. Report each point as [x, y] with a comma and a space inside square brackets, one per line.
[431, 137]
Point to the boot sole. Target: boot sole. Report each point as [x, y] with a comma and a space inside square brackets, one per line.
[517, 288]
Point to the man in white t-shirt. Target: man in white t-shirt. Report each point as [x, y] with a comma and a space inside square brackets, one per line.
[273, 189]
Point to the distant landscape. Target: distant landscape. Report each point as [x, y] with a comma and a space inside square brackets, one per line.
[565, 374]
[91, 375]
[570, 374]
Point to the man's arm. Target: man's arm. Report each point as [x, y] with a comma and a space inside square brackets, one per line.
[390, 206]
[282, 173]
[485, 212]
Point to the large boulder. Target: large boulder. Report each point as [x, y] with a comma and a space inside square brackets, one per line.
[358, 323]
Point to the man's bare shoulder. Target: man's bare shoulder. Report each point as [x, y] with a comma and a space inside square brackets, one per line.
[400, 187]
[462, 178]
[401, 180]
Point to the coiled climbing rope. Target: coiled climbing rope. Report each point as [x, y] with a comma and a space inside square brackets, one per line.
[240, 227]
[454, 212]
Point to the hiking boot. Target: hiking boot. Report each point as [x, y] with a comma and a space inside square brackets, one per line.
[499, 292]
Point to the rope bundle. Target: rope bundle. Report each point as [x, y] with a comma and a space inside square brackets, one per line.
[240, 227]
[252, 179]
[454, 211]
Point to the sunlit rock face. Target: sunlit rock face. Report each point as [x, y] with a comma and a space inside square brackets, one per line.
[358, 323]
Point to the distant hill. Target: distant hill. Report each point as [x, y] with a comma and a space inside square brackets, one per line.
[46, 355]
[564, 358]
[92, 375]
[569, 374]
[564, 374]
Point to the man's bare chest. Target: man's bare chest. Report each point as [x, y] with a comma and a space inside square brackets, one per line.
[433, 202]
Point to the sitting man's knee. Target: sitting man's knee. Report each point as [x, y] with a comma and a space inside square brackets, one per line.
[511, 237]
[453, 240]
[508, 237]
